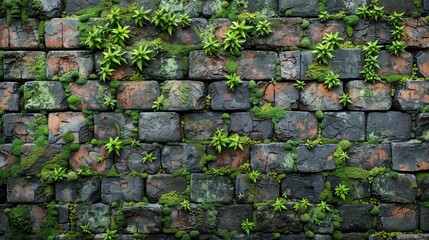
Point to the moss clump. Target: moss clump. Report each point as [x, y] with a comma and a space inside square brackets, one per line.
[305, 23]
[231, 67]
[358, 173]
[344, 144]
[171, 199]
[33, 157]
[316, 70]
[305, 218]
[305, 42]
[395, 78]
[73, 101]
[351, 20]
[49, 227]
[309, 234]
[39, 68]
[255, 93]
[319, 115]
[326, 194]
[267, 111]
[19, 217]
[1, 64]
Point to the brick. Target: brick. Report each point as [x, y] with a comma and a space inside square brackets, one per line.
[183, 219]
[43, 154]
[265, 189]
[130, 159]
[183, 95]
[326, 225]
[397, 217]
[40, 95]
[271, 221]
[359, 188]
[82, 190]
[122, 189]
[297, 126]
[4, 31]
[202, 66]
[416, 236]
[159, 126]
[257, 65]
[159, 184]
[404, 6]
[344, 126]
[318, 159]
[24, 34]
[290, 62]
[92, 95]
[222, 98]
[423, 187]
[298, 186]
[424, 219]
[88, 155]
[61, 62]
[62, 33]
[416, 32]
[369, 156]
[412, 96]
[347, 6]
[164, 67]
[110, 125]
[246, 124]
[316, 97]
[307, 57]
[356, 217]
[369, 97]
[316, 30]
[306, 8]
[76, 5]
[286, 95]
[422, 61]
[97, 216]
[384, 126]
[410, 157]
[391, 64]
[187, 36]
[52, 8]
[181, 156]
[347, 62]
[201, 126]
[17, 126]
[23, 190]
[286, 32]
[143, 219]
[62, 122]
[233, 215]
[6, 158]
[423, 126]
[229, 157]
[399, 189]
[271, 157]
[367, 30]
[18, 65]
[137, 95]
[211, 189]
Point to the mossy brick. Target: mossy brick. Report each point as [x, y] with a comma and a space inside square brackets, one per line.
[405, 6]
[229, 157]
[423, 186]
[44, 95]
[131, 159]
[412, 96]
[159, 184]
[17, 126]
[9, 94]
[369, 156]
[122, 189]
[344, 126]
[159, 127]
[6, 158]
[416, 32]
[347, 6]
[318, 159]
[306, 8]
[388, 126]
[286, 95]
[397, 217]
[185, 219]
[290, 62]
[257, 65]
[164, 67]
[192, 7]
[137, 95]
[97, 216]
[52, 8]
[391, 64]
[188, 36]
[222, 25]
[62, 33]
[367, 30]
[24, 190]
[143, 219]
[33, 158]
[316, 96]
[21, 34]
[211, 189]
[92, 95]
[90, 156]
[73, 6]
[422, 125]
[183, 95]
[356, 217]
[37, 215]
[299, 185]
[271, 221]
[110, 125]
[266, 188]
[232, 216]
[82, 190]
[359, 188]
[297, 125]
[325, 226]
[271, 157]
[317, 29]
[62, 122]
[180, 156]
[202, 126]
[400, 188]
[61, 62]
[286, 32]
[122, 72]
[18, 65]
[422, 62]
[424, 219]
[246, 124]
[222, 98]
[206, 67]
[410, 157]
[148, 32]
[368, 96]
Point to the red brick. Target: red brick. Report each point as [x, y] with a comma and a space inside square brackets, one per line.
[87, 154]
[10, 96]
[92, 95]
[416, 32]
[62, 33]
[62, 122]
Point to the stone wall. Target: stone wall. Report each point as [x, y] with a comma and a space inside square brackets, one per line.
[172, 151]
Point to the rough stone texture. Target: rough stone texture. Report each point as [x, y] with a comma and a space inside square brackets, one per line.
[112, 125]
[423, 187]
[416, 32]
[360, 189]
[391, 64]
[369, 156]
[187, 36]
[52, 8]
[325, 226]
[246, 124]
[17, 126]
[183, 219]
[23, 190]
[423, 126]
[44, 96]
[22, 35]
[137, 95]
[348, 6]
[404, 6]
[62, 122]
[398, 189]
[257, 65]
[82, 190]
[92, 95]
[89, 155]
[266, 188]
[298, 186]
[397, 217]
[344, 126]
[412, 236]
[271, 157]
[316, 97]
[369, 97]
[4, 226]
[316, 30]
[180, 156]
[424, 219]
[412, 96]
[287, 32]
[183, 95]
[229, 157]
[164, 67]
[18, 65]
[348, 62]
[286, 95]
[271, 221]
[96, 215]
[211, 189]
[297, 126]
[318, 159]
[143, 219]
[422, 61]
[367, 30]
[222, 98]
[76, 5]
[130, 159]
[159, 184]
[356, 218]
[290, 62]
[384, 126]
[159, 126]
[126, 188]
[410, 157]
[232, 216]
[202, 66]
[62, 33]
[47, 153]
[306, 8]
[6, 161]
[201, 126]
[60, 62]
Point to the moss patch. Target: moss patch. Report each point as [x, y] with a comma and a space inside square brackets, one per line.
[315, 70]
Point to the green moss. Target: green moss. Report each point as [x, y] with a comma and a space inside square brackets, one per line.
[267, 111]
[41, 32]
[177, 49]
[171, 199]
[255, 93]
[374, 211]
[305, 23]
[225, 234]
[326, 194]
[338, 235]
[416, 14]
[194, 234]
[288, 13]
[305, 218]
[33, 157]
[344, 144]
[1, 64]
[16, 147]
[39, 68]
[395, 78]
[49, 228]
[316, 70]
[349, 31]
[68, 137]
[319, 115]
[309, 234]
[231, 67]
[357, 173]
[19, 217]
[73, 101]
[351, 20]
[305, 42]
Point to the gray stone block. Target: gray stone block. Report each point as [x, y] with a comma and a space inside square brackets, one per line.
[232, 216]
[347, 62]
[290, 62]
[164, 67]
[369, 156]
[83, 190]
[122, 189]
[412, 96]
[73, 6]
[348, 6]
[265, 189]
[306, 8]
[246, 124]
[369, 97]
[356, 217]
[318, 159]
[16, 125]
[23, 190]
[423, 187]
[45, 96]
[272, 221]
[325, 226]
[390, 6]
[298, 186]
[297, 126]
[410, 157]
[52, 8]
[19, 65]
[316, 96]
[400, 189]
[61, 62]
[184, 95]
[180, 156]
[257, 65]
[159, 184]
[397, 217]
[131, 159]
[271, 157]
[97, 216]
[286, 95]
[159, 127]
[202, 126]
[388, 126]
[111, 125]
[422, 61]
[9, 93]
[424, 219]
[344, 126]
[44, 154]
[222, 98]
[143, 219]
[211, 189]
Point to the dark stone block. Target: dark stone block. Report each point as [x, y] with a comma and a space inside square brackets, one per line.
[400, 189]
[286, 32]
[184, 95]
[92, 95]
[17, 126]
[83, 190]
[290, 62]
[137, 95]
[183, 219]
[271, 221]
[410, 157]
[359, 189]
[164, 67]
[423, 187]
[9, 93]
[202, 126]
[412, 96]
[74, 122]
[131, 159]
[354, 236]
[63, 213]
[222, 98]
[123, 189]
[403, 6]
[202, 66]
[23, 34]
[23, 190]
[229, 157]
[143, 219]
[90, 156]
[271, 157]
[159, 184]
[211, 189]
[388, 126]
[73, 6]
[180, 156]
[286, 95]
[52, 8]
[397, 217]
[424, 219]
[297, 126]
[347, 63]
[316, 96]
[46, 154]
[306, 8]
[4, 221]
[422, 61]
[369, 156]
[356, 217]
[232, 216]
[367, 30]
[369, 97]
[246, 124]
[422, 236]
[187, 36]
[298, 186]
[325, 225]
[265, 189]
[96, 215]
[44, 96]
[318, 159]
[344, 126]
[159, 127]
[348, 6]
[111, 125]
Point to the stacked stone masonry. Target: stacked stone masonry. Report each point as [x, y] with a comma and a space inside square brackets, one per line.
[167, 180]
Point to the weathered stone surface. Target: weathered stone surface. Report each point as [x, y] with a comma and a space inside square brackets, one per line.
[369, 156]
[397, 217]
[318, 159]
[232, 216]
[271, 157]
[164, 67]
[344, 126]
[287, 32]
[187, 36]
[180, 156]
[298, 186]
[400, 189]
[423, 126]
[354, 236]
[348, 6]
[422, 61]
[271, 221]
[43, 154]
[202, 126]
[286, 95]
[159, 126]
[23, 34]
[222, 98]
[347, 62]
[391, 64]
[369, 97]
[202, 66]
[97, 216]
[229, 157]
[137, 95]
[52, 8]
[316, 96]
[23, 190]
[410, 157]
[37, 216]
[92, 95]
[63, 213]
[192, 7]
[131, 159]
[317, 29]
[76, 5]
[257, 65]
[265, 189]
[6, 160]
[423, 187]
[94, 157]
[62, 33]
[297, 126]
[325, 225]
[367, 30]
[245, 123]
[62, 122]
[20, 65]
[143, 219]
[211, 189]
[385, 126]
[44, 96]
[424, 219]
[112, 125]
[4, 226]
[17, 125]
[404, 6]
[82, 190]
[412, 96]
[306, 8]
[359, 189]
[415, 32]
[356, 217]
[307, 58]
[159, 184]
[183, 95]
[290, 62]
[185, 219]
[421, 236]
[122, 189]
[61, 62]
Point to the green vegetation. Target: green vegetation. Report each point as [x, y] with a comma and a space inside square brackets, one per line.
[254, 175]
[114, 145]
[279, 205]
[345, 99]
[247, 226]
[267, 111]
[233, 81]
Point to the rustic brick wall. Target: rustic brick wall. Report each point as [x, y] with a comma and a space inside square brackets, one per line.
[300, 162]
